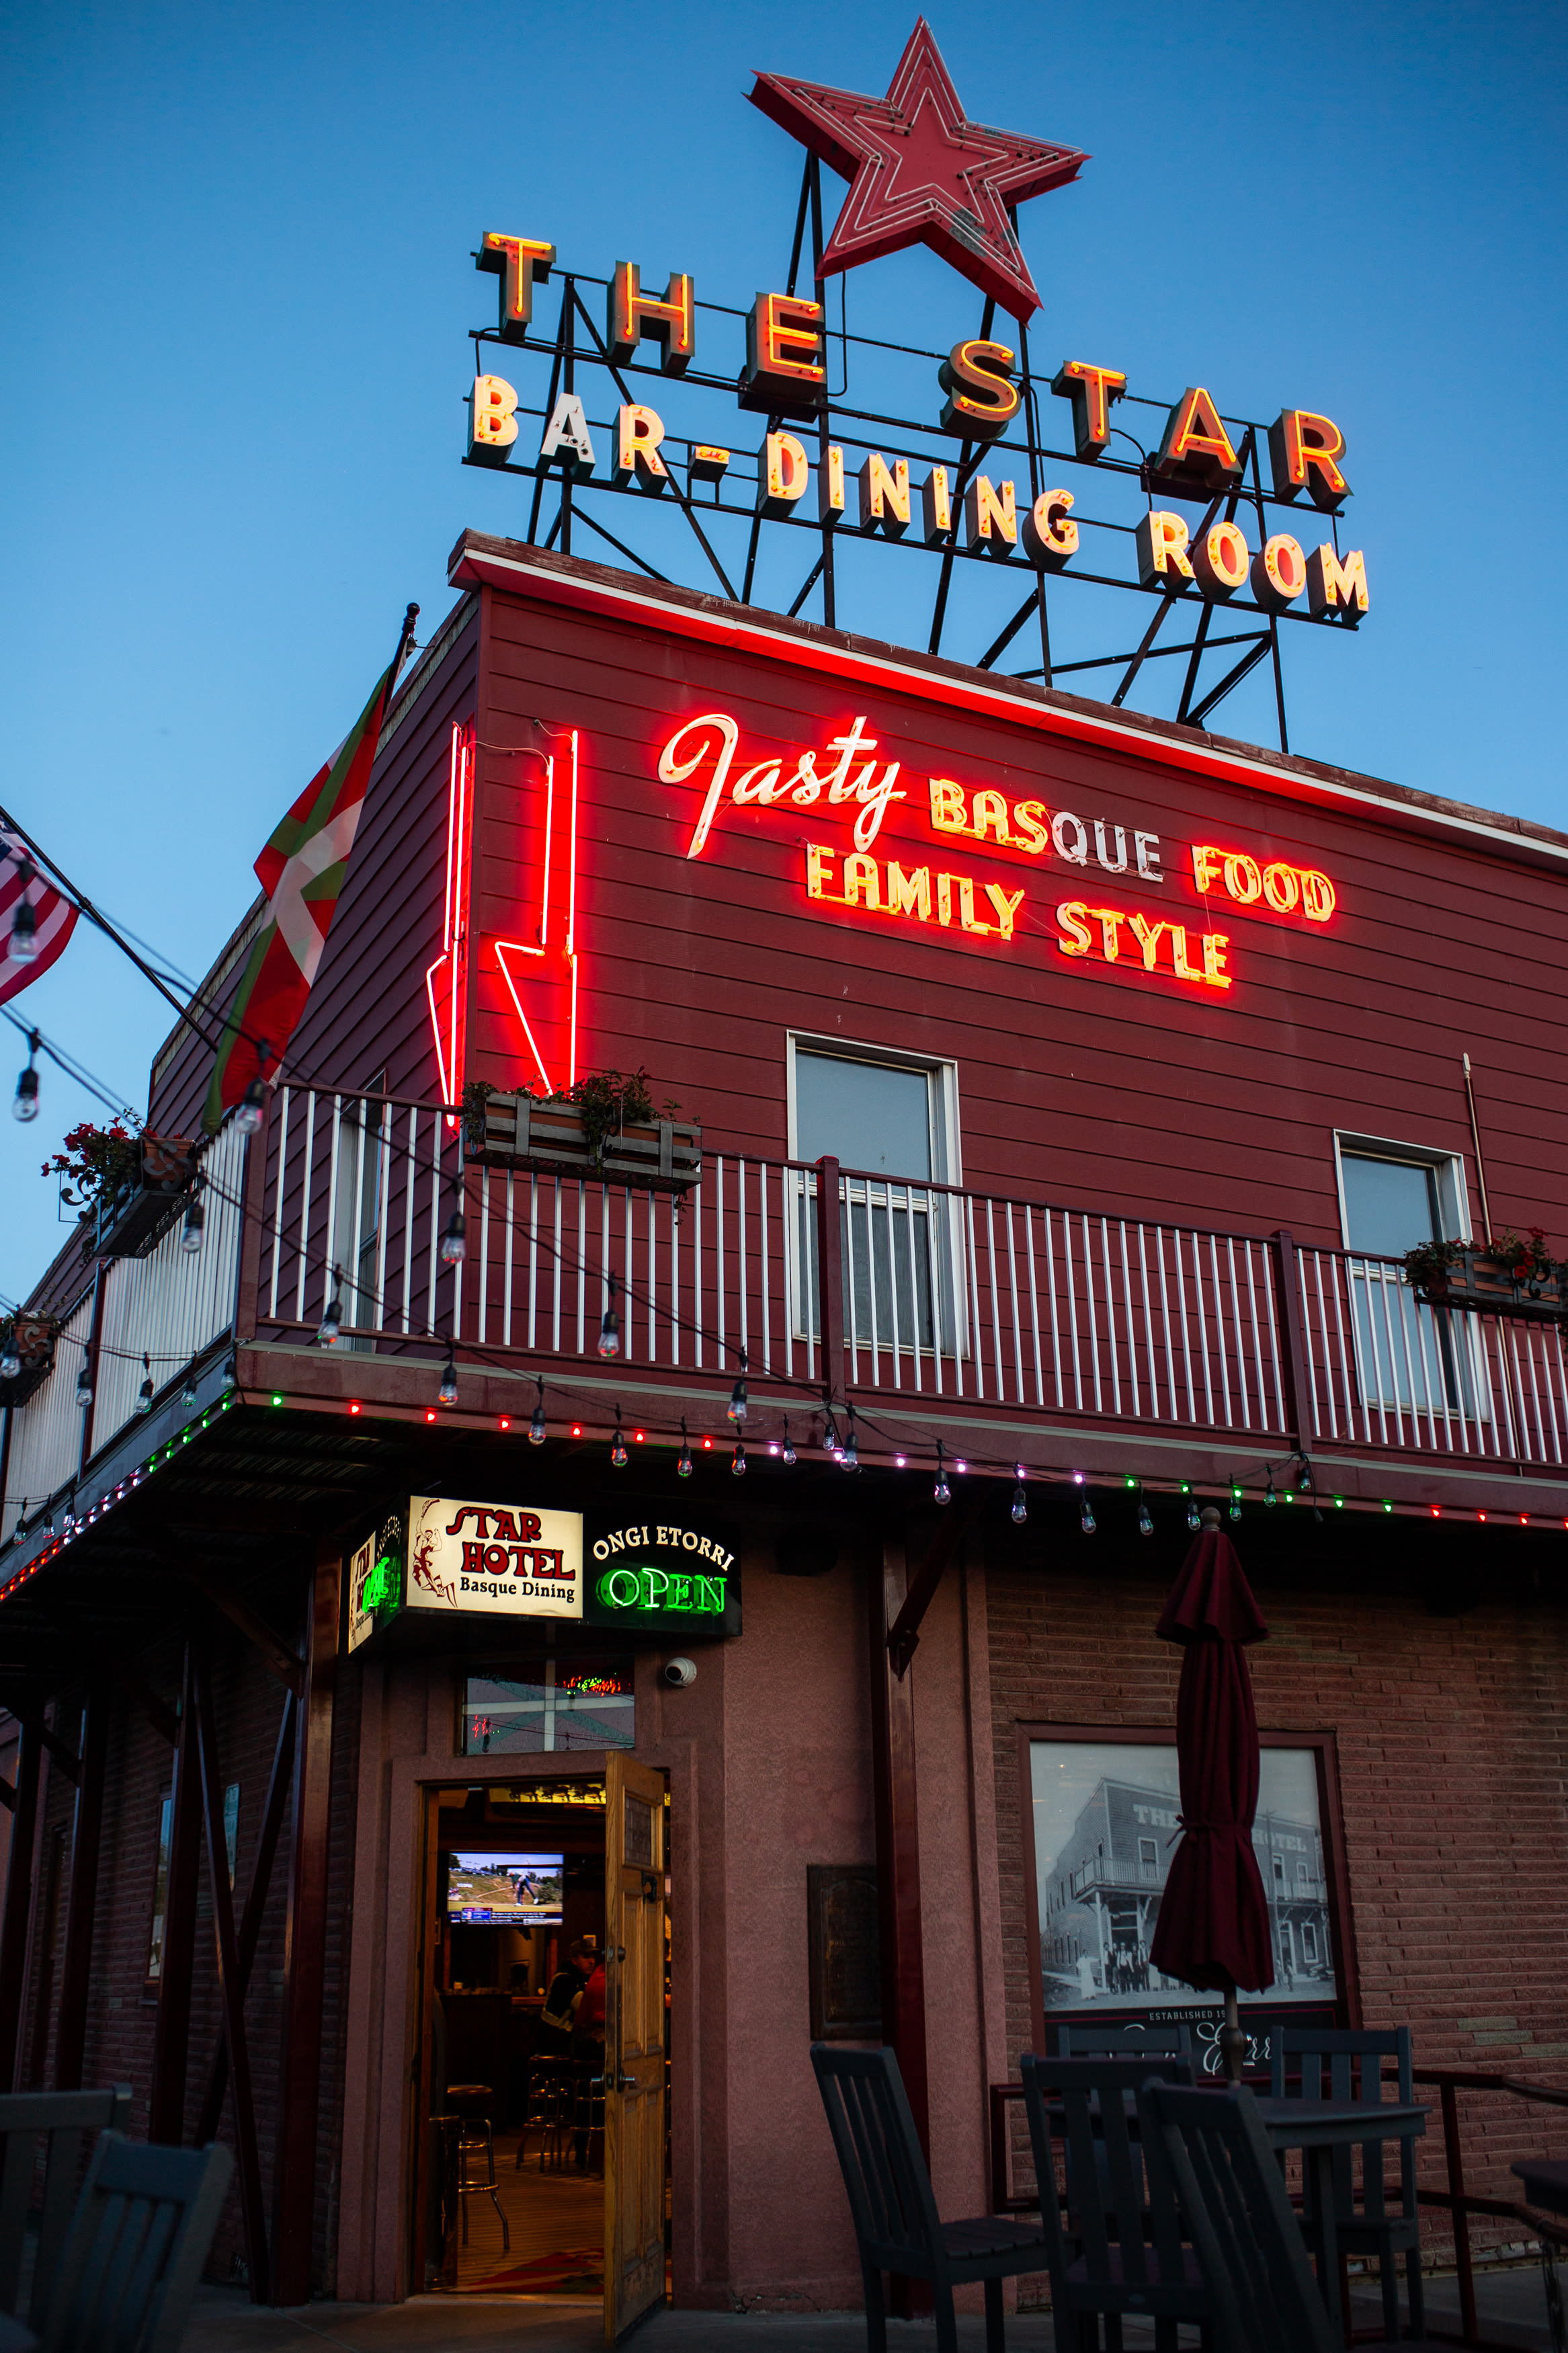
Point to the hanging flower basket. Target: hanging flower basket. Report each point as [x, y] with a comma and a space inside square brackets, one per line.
[1507, 1277]
[599, 1137]
[129, 1220]
[33, 1338]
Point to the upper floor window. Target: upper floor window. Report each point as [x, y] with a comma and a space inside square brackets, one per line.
[884, 1117]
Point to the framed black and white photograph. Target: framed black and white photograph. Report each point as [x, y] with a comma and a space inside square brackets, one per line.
[1101, 1821]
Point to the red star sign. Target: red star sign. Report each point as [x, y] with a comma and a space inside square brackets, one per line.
[919, 174]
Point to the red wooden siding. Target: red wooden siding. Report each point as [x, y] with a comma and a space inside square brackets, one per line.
[1084, 1081]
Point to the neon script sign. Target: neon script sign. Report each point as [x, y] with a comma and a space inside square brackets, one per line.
[849, 776]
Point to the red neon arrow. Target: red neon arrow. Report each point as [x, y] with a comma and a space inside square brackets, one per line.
[541, 974]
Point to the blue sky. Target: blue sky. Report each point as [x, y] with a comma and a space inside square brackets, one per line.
[237, 287]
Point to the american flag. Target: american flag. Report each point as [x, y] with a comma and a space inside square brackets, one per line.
[55, 916]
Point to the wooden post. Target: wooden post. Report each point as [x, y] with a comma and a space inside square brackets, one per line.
[171, 2032]
[1293, 1367]
[255, 1910]
[230, 1987]
[898, 1857]
[829, 1276]
[13, 1921]
[70, 2037]
[294, 2200]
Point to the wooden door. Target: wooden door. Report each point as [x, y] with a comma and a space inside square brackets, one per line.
[635, 1864]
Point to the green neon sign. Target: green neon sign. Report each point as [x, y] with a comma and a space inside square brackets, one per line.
[684, 1591]
[378, 1584]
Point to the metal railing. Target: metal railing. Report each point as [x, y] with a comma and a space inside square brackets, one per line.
[1385, 1370]
[158, 1312]
[820, 1278]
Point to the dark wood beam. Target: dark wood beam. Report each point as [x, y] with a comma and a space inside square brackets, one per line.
[276, 1655]
[17, 1909]
[172, 2029]
[82, 1906]
[898, 1855]
[904, 1635]
[255, 1907]
[231, 1992]
[294, 2201]
[63, 1755]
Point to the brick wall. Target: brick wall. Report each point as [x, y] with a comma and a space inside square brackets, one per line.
[1450, 1733]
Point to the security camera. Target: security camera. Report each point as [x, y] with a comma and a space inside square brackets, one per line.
[679, 1672]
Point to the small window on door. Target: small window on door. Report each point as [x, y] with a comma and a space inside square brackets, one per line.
[881, 1119]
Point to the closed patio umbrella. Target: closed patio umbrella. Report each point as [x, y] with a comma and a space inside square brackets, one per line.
[1213, 1929]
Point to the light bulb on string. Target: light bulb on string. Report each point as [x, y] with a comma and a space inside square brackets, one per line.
[832, 1444]
[788, 1456]
[447, 1392]
[1020, 1501]
[26, 1106]
[737, 1394]
[23, 944]
[1086, 1518]
[188, 1391]
[1304, 1478]
[849, 1453]
[1236, 1503]
[84, 1385]
[738, 1461]
[230, 1373]
[144, 1394]
[455, 1241]
[329, 1331]
[252, 1108]
[536, 1427]
[683, 1459]
[610, 1323]
[1145, 1518]
[618, 1445]
[940, 1492]
[1269, 1497]
[192, 1223]
[1194, 1517]
[10, 1356]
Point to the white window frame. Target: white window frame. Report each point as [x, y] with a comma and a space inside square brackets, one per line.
[1453, 1178]
[1462, 1370]
[941, 1075]
[946, 1158]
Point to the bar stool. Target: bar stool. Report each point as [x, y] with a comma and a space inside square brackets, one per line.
[551, 2092]
[471, 2103]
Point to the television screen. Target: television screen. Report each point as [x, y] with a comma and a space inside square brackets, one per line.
[504, 1891]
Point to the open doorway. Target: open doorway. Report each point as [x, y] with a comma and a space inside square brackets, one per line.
[542, 2157]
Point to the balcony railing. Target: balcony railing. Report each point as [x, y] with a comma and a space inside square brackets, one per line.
[153, 1316]
[820, 1277]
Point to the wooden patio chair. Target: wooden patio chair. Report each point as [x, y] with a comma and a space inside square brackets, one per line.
[60, 2121]
[896, 2220]
[1335, 2064]
[137, 2244]
[1154, 2043]
[1119, 2252]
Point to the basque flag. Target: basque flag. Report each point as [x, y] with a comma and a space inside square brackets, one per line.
[302, 871]
[54, 916]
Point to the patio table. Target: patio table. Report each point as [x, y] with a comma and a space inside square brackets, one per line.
[1319, 2127]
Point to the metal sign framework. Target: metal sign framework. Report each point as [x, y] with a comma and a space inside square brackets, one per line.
[578, 340]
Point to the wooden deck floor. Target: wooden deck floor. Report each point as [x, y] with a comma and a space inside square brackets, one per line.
[555, 2220]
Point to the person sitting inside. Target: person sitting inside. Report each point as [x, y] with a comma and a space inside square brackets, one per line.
[558, 2019]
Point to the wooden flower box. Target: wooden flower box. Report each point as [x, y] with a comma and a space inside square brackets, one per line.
[1484, 1286]
[34, 1342]
[660, 1156]
[130, 1220]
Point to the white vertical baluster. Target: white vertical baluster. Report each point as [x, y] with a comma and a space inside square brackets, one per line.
[278, 1207]
[408, 1217]
[762, 1235]
[510, 1253]
[305, 1203]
